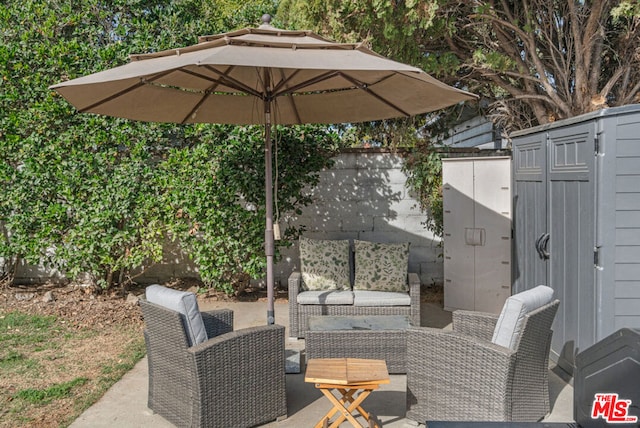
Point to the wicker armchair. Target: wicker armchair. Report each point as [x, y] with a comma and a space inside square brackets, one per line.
[461, 375]
[233, 379]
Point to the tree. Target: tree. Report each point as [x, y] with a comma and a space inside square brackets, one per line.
[536, 61]
[532, 61]
[73, 185]
[98, 195]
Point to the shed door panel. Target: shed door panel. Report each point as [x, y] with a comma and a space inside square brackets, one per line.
[571, 224]
[459, 259]
[493, 217]
[529, 210]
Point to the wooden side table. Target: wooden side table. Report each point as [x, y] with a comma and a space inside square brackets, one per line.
[353, 379]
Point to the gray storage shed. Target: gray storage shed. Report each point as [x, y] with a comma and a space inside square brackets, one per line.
[576, 208]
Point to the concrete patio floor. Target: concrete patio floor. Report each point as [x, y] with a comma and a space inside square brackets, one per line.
[125, 404]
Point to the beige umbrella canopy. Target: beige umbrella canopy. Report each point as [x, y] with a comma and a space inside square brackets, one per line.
[261, 76]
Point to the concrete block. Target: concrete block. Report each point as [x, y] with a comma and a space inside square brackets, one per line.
[391, 236]
[410, 224]
[406, 207]
[335, 192]
[357, 223]
[425, 253]
[339, 177]
[386, 195]
[319, 223]
[36, 274]
[389, 177]
[345, 161]
[380, 160]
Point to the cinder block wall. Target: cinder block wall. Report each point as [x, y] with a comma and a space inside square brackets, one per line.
[364, 197]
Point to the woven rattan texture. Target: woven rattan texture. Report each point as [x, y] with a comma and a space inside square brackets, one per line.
[452, 376]
[388, 345]
[235, 379]
[299, 314]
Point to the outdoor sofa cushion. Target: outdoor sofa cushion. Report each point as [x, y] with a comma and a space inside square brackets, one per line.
[183, 302]
[380, 298]
[324, 264]
[326, 297]
[509, 325]
[381, 267]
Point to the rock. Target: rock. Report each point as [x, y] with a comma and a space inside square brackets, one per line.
[48, 297]
[132, 299]
[25, 296]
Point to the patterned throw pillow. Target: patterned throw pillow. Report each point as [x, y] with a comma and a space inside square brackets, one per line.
[381, 267]
[324, 264]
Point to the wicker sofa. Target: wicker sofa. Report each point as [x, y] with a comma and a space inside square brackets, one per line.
[341, 278]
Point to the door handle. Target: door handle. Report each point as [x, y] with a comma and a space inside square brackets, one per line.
[544, 244]
[537, 245]
[541, 246]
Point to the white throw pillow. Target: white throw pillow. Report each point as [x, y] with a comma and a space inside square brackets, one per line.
[509, 325]
[183, 302]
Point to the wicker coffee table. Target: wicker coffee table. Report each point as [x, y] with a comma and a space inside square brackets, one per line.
[380, 337]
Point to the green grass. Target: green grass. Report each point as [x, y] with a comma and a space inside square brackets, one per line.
[43, 396]
[20, 329]
[20, 335]
[32, 345]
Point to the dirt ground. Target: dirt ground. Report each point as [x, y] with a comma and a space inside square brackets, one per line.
[82, 307]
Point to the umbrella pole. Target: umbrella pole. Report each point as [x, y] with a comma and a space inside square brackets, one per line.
[269, 244]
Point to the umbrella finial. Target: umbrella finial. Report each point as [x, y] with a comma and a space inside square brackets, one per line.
[266, 20]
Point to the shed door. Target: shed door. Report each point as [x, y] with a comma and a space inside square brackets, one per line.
[529, 210]
[476, 197]
[554, 225]
[571, 225]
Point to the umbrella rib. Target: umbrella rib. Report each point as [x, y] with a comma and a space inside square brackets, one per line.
[207, 78]
[196, 107]
[365, 88]
[232, 83]
[111, 97]
[283, 81]
[207, 93]
[309, 82]
[133, 87]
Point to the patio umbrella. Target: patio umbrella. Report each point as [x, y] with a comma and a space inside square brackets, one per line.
[261, 76]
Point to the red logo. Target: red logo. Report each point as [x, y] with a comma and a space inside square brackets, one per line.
[612, 409]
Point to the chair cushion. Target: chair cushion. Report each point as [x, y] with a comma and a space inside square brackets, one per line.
[324, 264]
[183, 302]
[380, 298]
[326, 297]
[511, 319]
[381, 267]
